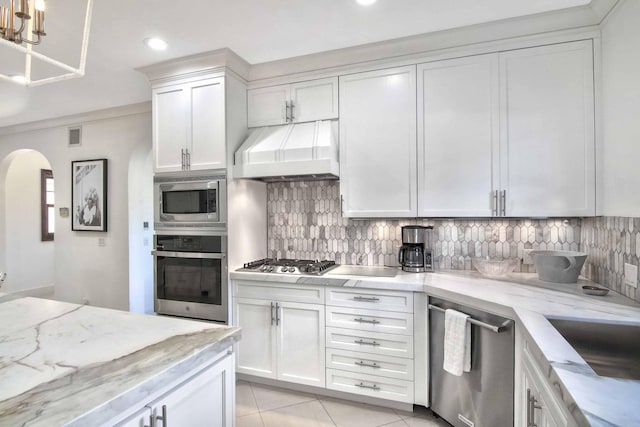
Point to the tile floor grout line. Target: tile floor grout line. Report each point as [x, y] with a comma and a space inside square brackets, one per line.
[325, 410]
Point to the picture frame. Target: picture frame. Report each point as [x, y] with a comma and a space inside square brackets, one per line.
[89, 195]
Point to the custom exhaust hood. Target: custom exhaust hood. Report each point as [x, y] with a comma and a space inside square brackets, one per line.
[299, 151]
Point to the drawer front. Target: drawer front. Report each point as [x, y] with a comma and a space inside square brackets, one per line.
[274, 291]
[370, 385]
[370, 299]
[370, 342]
[371, 364]
[390, 322]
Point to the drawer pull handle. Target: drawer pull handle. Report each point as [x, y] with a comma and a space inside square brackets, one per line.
[366, 299]
[363, 342]
[361, 320]
[372, 387]
[373, 365]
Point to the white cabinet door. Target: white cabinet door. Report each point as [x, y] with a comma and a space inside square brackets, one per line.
[170, 127]
[139, 419]
[205, 400]
[293, 103]
[266, 106]
[301, 343]
[314, 100]
[207, 136]
[547, 131]
[256, 352]
[458, 136]
[378, 143]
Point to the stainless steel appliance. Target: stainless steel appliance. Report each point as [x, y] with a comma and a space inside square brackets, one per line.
[289, 266]
[191, 276]
[191, 201]
[482, 397]
[415, 254]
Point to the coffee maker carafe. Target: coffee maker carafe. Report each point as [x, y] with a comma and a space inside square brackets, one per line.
[415, 254]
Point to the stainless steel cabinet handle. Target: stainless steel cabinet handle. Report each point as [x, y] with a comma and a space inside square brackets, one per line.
[183, 158]
[531, 407]
[363, 342]
[361, 320]
[277, 314]
[503, 203]
[293, 117]
[366, 299]
[372, 387]
[373, 365]
[163, 418]
[272, 318]
[152, 422]
[188, 159]
[341, 204]
[286, 111]
[494, 203]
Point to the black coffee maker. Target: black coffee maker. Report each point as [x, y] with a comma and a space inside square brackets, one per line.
[415, 254]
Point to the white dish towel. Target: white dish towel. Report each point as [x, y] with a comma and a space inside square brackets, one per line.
[457, 342]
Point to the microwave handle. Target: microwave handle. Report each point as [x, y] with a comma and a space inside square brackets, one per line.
[200, 255]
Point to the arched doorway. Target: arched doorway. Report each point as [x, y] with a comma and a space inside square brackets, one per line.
[26, 256]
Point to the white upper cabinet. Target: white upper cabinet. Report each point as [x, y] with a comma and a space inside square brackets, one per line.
[547, 131]
[189, 125]
[293, 103]
[458, 136]
[378, 143]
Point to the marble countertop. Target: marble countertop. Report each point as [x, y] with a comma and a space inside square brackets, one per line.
[73, 365]
[592, 399]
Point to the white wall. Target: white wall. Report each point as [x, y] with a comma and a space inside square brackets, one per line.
[29, 261]
[621, 110]
[84, 270]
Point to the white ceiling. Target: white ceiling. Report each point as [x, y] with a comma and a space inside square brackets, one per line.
[257, 30]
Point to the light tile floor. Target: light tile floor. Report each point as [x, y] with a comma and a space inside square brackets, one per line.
[263, 406]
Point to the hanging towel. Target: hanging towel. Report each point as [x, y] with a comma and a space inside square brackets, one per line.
[457, 342]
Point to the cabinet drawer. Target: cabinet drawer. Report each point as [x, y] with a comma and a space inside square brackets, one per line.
[370, 342]
[278, 292]
[370, 320]
[370, 385]
[370, 299]
[371, 364]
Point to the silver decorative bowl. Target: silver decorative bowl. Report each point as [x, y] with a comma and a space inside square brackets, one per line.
[494, 267]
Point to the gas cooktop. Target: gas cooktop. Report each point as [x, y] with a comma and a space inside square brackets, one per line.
[290, 266]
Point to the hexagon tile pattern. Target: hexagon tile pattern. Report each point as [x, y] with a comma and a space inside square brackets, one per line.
[304, 222]
[610, 242]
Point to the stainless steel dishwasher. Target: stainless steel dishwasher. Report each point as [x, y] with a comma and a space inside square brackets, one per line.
[482, 397]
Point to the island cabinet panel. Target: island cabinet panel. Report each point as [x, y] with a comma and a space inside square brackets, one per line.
[189, 125]
[378, 143]
[204, 400]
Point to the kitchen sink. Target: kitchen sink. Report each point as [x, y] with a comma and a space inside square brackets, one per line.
[611, 349]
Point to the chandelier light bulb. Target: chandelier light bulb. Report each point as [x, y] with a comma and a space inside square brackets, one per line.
[40, 5]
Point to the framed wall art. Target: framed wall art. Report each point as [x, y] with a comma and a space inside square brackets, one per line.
[89, 195]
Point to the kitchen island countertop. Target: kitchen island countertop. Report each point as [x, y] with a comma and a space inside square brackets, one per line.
[69, 364]
[592, 399]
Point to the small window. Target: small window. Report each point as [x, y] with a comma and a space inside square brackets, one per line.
[46, 203]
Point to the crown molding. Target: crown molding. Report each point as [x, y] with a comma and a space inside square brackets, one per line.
[82, 118]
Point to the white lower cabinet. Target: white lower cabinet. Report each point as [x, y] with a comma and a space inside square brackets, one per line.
[281, 339]
[204, 400]
[540, 406]
[370, 385]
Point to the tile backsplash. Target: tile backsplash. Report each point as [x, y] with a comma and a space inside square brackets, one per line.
[610, 242]
[304, 222]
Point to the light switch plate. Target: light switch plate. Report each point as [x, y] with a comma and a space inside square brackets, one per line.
[526, 257]
[631, 275]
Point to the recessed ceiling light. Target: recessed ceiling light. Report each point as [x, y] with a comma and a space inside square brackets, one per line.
[365, 2]
[19, 78]
[155, 43]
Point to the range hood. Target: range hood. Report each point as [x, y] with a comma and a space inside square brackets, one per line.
[299, 151]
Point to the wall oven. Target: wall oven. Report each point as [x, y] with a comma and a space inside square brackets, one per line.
[191, 276]
[191, 201]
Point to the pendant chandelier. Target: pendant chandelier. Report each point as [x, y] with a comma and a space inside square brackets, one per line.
[22, 28]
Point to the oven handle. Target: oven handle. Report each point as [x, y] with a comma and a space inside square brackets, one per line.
[200, 255]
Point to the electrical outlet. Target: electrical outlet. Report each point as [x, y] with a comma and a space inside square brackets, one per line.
[631, 275]
[526, 257]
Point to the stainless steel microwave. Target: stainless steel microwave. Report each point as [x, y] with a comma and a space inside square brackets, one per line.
[190, 202]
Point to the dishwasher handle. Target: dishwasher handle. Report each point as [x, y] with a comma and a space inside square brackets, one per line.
[497, 329]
